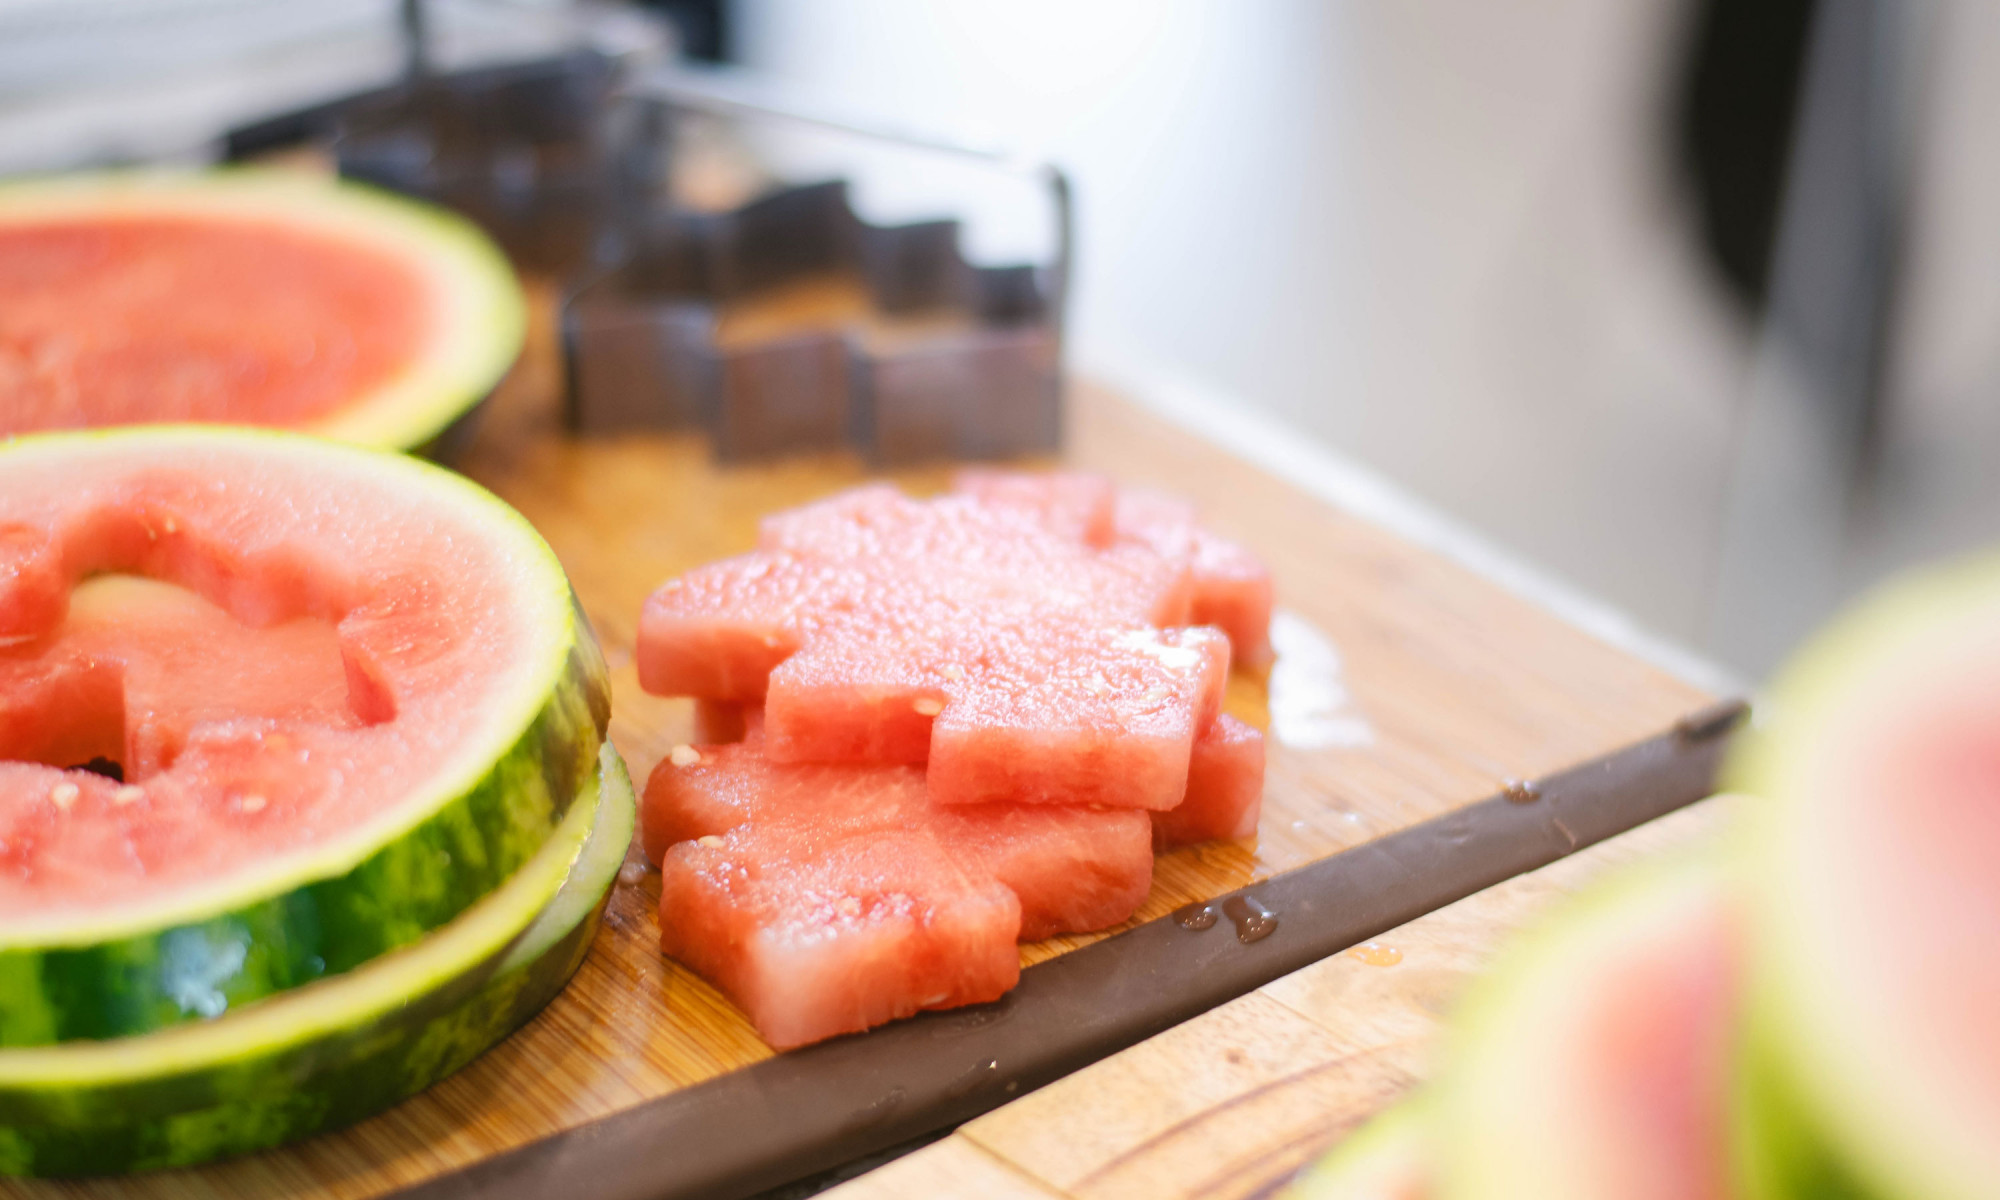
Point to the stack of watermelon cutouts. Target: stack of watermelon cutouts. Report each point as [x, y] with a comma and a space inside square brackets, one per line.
[931, 729]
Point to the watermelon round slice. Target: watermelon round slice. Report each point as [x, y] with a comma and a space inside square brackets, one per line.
[332, 1053]
[269, 708]
[246, 297]
[1874, 1028]
[1593, 1063]
[1387, 1159]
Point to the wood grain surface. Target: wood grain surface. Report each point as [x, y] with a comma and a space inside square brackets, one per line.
[1449, 687]
[1230, 1105]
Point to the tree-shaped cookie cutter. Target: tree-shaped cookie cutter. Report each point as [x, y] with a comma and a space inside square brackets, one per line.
[644, 343]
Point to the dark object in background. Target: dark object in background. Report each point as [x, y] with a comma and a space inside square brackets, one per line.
[785, 325]
[879, 337]
[701, 27]
[524, 150]
[1738, 105]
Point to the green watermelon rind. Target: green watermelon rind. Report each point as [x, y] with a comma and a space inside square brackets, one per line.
[314, 915]
[1492, 1149]
[1816, 1103]
[1391, 1145]
[484, 313]
[333, 1053]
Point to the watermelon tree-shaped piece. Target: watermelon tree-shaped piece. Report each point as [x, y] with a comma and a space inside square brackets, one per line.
[1229, 587]
[827, 898]
[1020, 663]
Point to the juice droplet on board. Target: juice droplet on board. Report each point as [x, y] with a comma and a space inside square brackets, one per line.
[1375, 954]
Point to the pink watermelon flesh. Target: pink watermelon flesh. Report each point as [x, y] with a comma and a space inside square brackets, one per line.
[1074, 868]
[1020, 664]
[1231, 588]
[826, 899]
[1225, 790]
[815, 939]
[129, 320]
[1652, 1056]
[299, 653]
[1913, 843]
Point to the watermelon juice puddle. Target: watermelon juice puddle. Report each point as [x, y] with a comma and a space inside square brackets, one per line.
[1307, 695]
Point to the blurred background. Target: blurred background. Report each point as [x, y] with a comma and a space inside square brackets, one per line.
[1694, 304]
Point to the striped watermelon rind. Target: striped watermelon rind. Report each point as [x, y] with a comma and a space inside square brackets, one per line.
[1827, 1103]
[307, 917]
[335, 1052]
[480, 312]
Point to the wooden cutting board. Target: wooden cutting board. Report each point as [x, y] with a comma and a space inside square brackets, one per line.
[1429, 688]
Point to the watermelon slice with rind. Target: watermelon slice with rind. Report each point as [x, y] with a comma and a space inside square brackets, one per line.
[246, 297]
[260, 840]
[334, 1052]
[1386, 1159]
[1593, 1061]
[1872, 1065]
[1019, 664]
[829, 898]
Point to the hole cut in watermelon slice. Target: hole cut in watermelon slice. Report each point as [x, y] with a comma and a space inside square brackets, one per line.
[1020, 664]
[138, 666]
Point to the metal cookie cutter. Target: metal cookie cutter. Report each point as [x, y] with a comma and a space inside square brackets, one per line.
[924, 355]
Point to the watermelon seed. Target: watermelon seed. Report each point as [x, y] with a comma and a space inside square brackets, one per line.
[252, 803]
[64, 794]
[709, 840]
[849, 906]
[952, 671]
[684, 755]
[928, 706]
[131, 793]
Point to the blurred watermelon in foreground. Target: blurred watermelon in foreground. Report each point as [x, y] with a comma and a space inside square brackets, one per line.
[1812, 1013]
